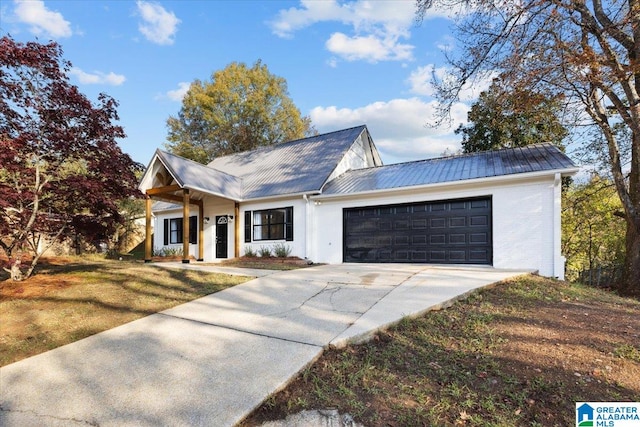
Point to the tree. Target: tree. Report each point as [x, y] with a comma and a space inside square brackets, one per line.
[240, 109]
[587, 51]
[61, 170]
[504, 119]
[592, 229]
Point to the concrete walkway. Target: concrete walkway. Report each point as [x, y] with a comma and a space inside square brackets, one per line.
[211, 361]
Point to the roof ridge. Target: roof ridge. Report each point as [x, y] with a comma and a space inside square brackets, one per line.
[284, 143]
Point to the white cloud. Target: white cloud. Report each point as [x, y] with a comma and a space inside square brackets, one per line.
[158, 26]
[377, 27]
[369, 48]
[41, 19]
[97, 77]
[178, 94]
[402, 129]
[293, 19]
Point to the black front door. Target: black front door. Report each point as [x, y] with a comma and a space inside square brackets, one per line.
[221, 236]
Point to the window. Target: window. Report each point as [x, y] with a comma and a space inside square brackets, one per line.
[271, 224]
[173, 230]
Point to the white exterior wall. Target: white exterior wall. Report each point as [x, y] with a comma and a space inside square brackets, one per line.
[158, 231]
[355, 158]
[525, 221]
[525, 215]
[298, 245]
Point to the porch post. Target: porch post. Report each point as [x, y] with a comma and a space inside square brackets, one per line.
[236, 231]
[185, 226]
[201, 232]
[147, 237]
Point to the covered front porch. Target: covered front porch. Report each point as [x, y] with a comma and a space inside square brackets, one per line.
[200, 217]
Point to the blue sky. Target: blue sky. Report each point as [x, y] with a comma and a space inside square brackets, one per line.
[346, 63]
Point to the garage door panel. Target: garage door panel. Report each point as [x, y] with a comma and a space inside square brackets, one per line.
[419, 256]
[457, 256]
[437, 239]
[478, 255]
[438, 222]
[458, 239]
[402, 240]
[454, 231]
[479, 238]
[479, 221]
[418, 224]
[480, 203]
[418, 239]
[459, 221]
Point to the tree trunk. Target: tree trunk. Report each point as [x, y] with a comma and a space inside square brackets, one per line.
[16, 273]
[630, 284]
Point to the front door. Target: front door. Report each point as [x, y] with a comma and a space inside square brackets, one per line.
[221, 236]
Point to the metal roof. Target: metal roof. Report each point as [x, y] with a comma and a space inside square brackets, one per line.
[193, 175]
[532, 158]
[300, 166]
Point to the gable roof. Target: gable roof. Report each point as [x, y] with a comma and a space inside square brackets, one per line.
[196, 176]
[532, 158]
[295, 167]
[302, 166]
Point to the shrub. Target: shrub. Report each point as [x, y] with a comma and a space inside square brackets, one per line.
[264, 251]
[167, 251]
[281, 250]
[250, 252]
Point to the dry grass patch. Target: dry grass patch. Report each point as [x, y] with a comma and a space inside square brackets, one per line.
[72, 298]
[519, 354]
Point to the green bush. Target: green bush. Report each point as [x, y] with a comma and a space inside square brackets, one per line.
[264, 251]
[250, 252]
[281, 250]
[168, 251]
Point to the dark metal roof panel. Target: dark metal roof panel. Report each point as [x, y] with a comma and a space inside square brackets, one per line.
[533, 158]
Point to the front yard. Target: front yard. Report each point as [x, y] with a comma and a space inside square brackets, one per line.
[520, 354]
[72, 298]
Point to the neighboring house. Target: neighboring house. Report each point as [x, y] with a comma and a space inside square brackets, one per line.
[330, 199]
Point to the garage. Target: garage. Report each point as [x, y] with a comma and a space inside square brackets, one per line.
[454, 231]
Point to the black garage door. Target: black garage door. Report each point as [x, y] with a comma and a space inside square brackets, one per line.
[447, 231]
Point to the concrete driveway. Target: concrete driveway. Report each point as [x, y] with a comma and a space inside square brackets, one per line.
[211, 361]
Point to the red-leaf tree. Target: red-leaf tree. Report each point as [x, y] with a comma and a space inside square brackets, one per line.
[61, 170]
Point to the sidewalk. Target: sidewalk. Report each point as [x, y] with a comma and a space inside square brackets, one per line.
[211, 361]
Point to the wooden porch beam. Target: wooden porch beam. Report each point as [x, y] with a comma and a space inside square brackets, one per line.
[178, 199]
[162, 190]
